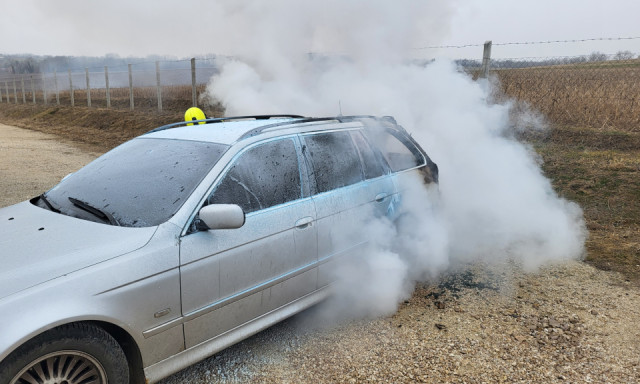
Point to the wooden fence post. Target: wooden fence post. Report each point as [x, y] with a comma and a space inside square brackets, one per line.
[6, 87]
[86, 71]
[486, 60]
[15, 90]
[24, 97]
[130, 88]
[73, 101]
[44, 89]
[55, 82]
[194, 99]
[106, 81]
[158, 86]
[33, 90]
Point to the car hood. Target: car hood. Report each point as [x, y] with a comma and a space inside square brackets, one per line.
[37, 245]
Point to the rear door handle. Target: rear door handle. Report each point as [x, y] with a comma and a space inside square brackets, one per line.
[381, 196]
[304, 222]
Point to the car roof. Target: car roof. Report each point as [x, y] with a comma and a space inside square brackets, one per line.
[224, 132]
[228, 130]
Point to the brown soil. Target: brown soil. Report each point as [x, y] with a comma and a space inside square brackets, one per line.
[600, 170]
[100, 128]
[32, 162]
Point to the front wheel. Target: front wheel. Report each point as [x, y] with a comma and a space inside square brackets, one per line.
[71, 354]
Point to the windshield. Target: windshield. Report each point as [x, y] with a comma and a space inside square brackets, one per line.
[141, 183]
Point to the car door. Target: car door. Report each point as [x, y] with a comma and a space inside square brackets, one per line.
[345, 199]
[406, 162]
[381, 189]
[230, 277]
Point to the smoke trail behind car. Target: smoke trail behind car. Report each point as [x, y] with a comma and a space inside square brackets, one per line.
[494, 202]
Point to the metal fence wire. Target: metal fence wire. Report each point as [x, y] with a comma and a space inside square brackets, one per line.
[596, 89]
[170, 85]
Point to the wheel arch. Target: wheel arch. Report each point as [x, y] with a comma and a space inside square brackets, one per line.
[129, 346]
[126, 342]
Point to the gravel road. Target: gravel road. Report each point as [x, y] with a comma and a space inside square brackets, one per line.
[32, 162]
[481, 324]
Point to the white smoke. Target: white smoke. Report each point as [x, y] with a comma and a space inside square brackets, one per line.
[494, 201]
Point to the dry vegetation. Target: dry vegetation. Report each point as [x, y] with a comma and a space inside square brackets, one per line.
[592, 152]
[593, 95]
[98, 125]
[600, 170]
[175, 99]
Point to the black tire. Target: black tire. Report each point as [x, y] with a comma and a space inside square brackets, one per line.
[64, 355]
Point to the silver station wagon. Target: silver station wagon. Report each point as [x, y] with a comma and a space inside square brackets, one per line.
[188, 239]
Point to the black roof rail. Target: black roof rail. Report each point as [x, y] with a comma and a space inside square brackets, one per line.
[388, 120]
[385, 119]
[221, 120]
[258, 130]
[356, 117]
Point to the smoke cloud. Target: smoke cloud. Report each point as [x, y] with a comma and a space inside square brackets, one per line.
[493, 203]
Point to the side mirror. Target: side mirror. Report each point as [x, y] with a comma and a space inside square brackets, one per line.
[222, 216]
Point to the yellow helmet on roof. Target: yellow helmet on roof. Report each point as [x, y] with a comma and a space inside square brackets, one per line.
[194, 113]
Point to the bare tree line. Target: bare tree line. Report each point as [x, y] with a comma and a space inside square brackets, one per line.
[593, 57]
[32, 64]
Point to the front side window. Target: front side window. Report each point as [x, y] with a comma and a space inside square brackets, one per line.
[334, 160]
[263, 176]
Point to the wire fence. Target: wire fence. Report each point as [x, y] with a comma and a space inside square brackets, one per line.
[163, 85]
[596, 94]
[596, 89]
[593, 89]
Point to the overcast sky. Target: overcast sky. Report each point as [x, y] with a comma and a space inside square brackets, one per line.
[199, 27]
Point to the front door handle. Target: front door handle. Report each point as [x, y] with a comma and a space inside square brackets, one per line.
[381, 196]
[304, 222]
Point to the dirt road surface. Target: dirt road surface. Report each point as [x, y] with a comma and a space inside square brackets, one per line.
[481, 324]
[32, 162]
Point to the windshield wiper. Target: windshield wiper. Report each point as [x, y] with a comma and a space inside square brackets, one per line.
[46, 202]
[104, 216]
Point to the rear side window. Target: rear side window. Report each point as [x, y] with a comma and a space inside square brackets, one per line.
[263, 176]
[399, 152]
[370, 162]
[334, 160]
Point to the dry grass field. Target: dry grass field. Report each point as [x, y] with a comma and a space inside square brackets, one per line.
[592, 151]
[98, 125]
[175, 98]
[596, 95]
[600, 170]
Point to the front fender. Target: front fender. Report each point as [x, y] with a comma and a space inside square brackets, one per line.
[131, 291]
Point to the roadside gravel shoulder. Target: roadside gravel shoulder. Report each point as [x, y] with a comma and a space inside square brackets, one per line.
[32, 162]
[483, 324]
[567, 323]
